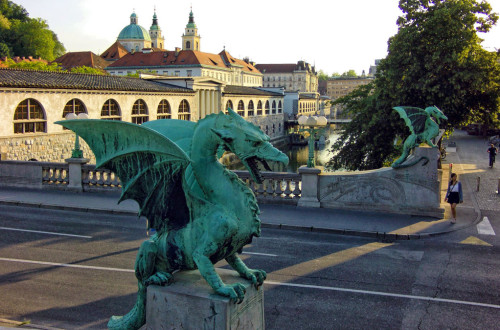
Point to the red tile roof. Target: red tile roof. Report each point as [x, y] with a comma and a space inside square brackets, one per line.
[114, 52]
[64, 80]
[76, 59]
[18, 59]
[181, 58]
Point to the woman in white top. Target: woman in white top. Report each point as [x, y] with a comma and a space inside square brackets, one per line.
[454, 195]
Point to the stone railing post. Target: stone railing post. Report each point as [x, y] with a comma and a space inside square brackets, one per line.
[309, 193]
[75, 173]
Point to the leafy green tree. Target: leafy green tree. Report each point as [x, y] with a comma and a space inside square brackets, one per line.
[350, 73]
[4, 50]
[38, 65]
[322, 75]
[25, 36]
[434, 59]
[86, 69]
[335, 74]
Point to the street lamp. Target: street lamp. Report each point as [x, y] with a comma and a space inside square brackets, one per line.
[76, 152]
[313, 123]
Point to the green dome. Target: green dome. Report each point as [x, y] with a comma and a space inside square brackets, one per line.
[134, 31]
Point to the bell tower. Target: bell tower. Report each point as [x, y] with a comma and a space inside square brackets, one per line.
[157, 40]
[190, 38]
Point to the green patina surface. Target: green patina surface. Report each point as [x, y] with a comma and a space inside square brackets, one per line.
[202, 212]
[423, 129]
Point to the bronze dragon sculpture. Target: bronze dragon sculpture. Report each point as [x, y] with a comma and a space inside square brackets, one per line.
[202, 212]
[423, 129]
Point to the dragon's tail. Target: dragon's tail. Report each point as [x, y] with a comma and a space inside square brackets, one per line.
[134, 319]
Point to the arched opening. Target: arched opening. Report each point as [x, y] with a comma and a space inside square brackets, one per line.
[29, 117]
[267, 108]
[139, 112]
[259, 108]
[184, 112]
[111, 110]
[274, 107]
[241, 108]
[164, 111]
[229, 105]
[250, 109]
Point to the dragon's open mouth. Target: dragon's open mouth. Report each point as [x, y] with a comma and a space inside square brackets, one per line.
[253, 167]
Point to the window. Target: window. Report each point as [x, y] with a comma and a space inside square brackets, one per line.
[259, 108]
[189, 73]
[139, 112]
[188, 44]
[163, 111]
[280, 108]
[110, 110]
[177, 73]
[184, 112]
[267, 108]
[74, 106]
[241, 108]
[229, 105]
[274, 108]
[250, 108]
[29, 117]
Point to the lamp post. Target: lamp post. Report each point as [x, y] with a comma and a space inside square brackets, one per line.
[76, 152]
[313, 123]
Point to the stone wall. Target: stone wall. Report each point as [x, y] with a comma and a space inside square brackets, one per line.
[55, 147]
[411, 190]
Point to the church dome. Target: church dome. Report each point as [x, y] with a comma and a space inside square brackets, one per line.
[134, 31]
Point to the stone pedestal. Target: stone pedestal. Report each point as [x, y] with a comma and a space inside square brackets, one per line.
[190, 303]
[309, 192]
[75, 173]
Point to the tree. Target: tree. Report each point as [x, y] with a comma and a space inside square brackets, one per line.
[38, 65]
[25, 36]
[434, 59]
[86, 69]
[322, 75]
[350, 73]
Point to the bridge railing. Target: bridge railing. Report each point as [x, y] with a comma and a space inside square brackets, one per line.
[277, 187]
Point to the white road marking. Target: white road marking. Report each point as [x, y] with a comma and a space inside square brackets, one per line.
[67, 265]
[44, 232]
[306, 286]
[485, 228]
[385, 294]
[261, 254]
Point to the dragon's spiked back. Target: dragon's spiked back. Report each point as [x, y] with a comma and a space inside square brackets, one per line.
[247, 142]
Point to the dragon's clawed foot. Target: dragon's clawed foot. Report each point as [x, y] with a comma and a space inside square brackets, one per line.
[159, 278]
[257, 276]
[234, 291]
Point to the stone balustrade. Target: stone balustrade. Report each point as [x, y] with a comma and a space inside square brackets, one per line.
[412, 190]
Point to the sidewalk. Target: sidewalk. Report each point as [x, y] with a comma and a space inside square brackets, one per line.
[369, 224]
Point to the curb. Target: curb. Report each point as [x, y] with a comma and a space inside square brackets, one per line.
[349, 232]
[346, 232]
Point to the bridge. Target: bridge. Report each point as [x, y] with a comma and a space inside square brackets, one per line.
[292, 122]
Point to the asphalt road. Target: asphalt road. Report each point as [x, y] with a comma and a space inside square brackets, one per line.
[74, 270]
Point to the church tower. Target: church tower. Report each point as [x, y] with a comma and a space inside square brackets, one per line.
[190, 38]
[157, 41]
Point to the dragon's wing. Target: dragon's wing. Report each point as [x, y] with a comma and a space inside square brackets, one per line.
[149, 165]
[414, 118]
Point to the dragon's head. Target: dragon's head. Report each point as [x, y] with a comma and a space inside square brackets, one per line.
[436, 113]
[247, 142]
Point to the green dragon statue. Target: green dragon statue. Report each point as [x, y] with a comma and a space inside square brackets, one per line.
[202, 212]
[423, 129]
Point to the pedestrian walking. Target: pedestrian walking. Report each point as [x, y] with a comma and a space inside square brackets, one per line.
[454, 195]
[492, 150]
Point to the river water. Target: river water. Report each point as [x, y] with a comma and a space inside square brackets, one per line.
[298, 155]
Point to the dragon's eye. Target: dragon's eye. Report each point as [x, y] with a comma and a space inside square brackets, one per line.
[255, 144]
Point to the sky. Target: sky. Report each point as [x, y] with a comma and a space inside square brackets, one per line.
[333, 35]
